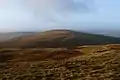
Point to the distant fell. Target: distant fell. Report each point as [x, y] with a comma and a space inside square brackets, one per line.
[9, 35]
[59, 38]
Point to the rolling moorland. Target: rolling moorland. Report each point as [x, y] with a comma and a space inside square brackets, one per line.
[60, 55]
[58, 38]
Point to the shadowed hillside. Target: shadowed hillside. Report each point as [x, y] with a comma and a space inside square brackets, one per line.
[59, 38]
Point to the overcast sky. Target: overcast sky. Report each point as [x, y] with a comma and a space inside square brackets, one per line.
[28, 15]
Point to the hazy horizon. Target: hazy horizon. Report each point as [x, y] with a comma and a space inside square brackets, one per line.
[37, 15]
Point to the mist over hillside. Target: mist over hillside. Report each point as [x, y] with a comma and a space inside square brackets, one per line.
[106, 32]
[9, 35]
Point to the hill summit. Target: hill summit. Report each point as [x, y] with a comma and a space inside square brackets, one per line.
[59, 38]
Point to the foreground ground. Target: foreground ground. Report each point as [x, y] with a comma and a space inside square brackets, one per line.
[80, 63]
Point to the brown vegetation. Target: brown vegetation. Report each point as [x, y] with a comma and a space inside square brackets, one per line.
[61, 63]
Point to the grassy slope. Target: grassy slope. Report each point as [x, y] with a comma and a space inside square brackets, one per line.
[101, 64]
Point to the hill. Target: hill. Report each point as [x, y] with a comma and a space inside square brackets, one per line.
[59, 38]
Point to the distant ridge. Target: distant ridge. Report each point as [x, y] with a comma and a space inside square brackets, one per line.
[59, 38]
[9, 35]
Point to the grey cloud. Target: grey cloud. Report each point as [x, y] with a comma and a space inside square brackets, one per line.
[60, 5]
[57, 10]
